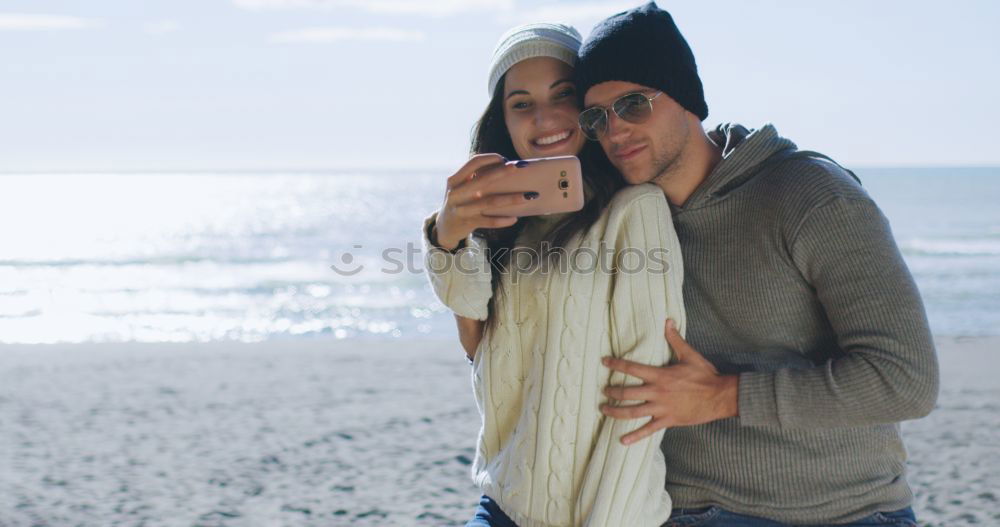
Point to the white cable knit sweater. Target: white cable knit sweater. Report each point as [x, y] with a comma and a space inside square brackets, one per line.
[545, 452]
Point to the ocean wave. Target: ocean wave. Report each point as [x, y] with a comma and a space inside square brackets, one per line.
[156, 260]
[951, 247]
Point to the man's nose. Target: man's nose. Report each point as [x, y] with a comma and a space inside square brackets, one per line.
[618, 128]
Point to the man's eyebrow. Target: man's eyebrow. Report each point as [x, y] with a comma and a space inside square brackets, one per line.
[616, 97]
[558, 82]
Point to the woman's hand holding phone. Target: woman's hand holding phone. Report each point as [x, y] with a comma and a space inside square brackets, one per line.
[465, 202]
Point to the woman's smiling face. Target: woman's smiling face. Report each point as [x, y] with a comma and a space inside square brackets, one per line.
[540, 108]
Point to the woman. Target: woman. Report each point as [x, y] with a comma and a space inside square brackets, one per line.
[546, 456]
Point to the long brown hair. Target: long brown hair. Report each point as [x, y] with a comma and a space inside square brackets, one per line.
[490, 135]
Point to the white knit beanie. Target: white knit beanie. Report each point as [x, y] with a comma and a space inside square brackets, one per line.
[557, 41]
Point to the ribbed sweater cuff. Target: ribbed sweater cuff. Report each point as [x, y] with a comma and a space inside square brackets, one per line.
[758, 405]
[461, 280]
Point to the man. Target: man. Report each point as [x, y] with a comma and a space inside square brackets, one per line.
[807, 342]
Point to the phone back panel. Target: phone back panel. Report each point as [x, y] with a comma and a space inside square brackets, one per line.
[557, 180]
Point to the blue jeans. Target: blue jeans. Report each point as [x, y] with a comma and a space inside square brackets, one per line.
[489, 515]
[719, 517]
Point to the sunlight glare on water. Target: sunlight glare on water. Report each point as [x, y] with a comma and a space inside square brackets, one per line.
[182, 257]
[204, 257]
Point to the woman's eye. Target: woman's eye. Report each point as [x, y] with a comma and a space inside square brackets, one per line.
[519, 105]
[568, 92]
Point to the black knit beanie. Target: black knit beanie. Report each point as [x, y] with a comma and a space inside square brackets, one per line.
[643, 46]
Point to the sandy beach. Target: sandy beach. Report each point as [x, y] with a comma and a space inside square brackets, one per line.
[349, 432]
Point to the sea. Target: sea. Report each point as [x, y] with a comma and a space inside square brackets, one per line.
[199, 257]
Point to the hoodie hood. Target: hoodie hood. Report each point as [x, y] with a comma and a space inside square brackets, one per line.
[743, 151]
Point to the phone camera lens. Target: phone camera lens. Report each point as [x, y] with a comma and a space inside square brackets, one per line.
[563, 184]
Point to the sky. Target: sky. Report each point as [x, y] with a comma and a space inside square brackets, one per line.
[304, 85]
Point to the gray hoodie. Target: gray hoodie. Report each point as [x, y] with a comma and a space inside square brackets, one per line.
[793, 281]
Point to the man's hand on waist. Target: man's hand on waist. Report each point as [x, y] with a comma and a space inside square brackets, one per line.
[688, 392]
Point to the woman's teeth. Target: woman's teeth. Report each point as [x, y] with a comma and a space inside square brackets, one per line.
[548, 140]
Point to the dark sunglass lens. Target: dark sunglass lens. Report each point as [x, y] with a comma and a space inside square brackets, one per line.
[593, 122]
[633, 107]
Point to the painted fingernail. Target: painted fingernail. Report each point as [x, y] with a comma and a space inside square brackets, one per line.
[521, 164]
[530, 195]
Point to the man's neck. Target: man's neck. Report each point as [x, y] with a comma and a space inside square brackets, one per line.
[699, 159]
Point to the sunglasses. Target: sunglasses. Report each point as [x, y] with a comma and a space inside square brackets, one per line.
[633, 108]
